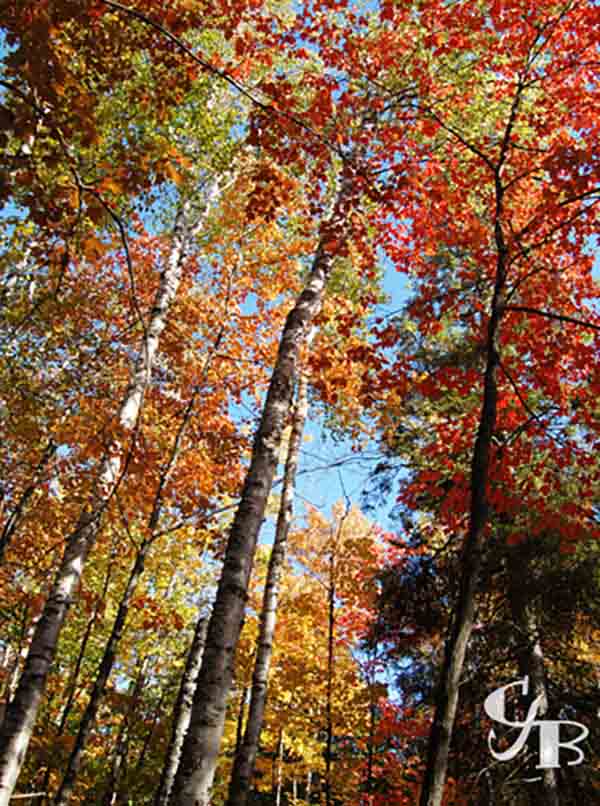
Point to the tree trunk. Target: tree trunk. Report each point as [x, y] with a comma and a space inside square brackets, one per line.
[369, 783]
[158, 712]
[239, 733]
[202, 743]
[278, 771]
[330, 672]
[117, 768]
[182, 714]
[108, 658]
[243, 767]
[12, 522]
[531, 656]
[86, 637]
[72, 689]
[432, 791]
[119, 765]
[21, 714]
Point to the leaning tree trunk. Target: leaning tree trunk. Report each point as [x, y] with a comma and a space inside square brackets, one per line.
[15, 517]
[531, 655]
[182, 713]
[20, 716]
[243, 765]
[202, 743]
[432, 791]
[118, 767]
[72, 688]
[106, 664]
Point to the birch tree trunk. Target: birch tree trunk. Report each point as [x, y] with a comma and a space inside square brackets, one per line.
[202, 743]
[182, 713]
[278, 771]
[72, 689]
[106, 664]
[21, 714]
[243, 766]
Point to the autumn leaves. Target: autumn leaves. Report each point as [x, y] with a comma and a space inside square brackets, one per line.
[187, 232]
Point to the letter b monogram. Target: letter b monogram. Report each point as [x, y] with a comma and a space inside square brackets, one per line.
[550, 743]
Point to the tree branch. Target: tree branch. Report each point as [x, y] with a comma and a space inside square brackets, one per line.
[549, 315]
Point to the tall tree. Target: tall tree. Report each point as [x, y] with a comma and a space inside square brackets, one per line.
[243, 767]
[201, 747]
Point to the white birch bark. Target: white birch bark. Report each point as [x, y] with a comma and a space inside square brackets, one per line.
[21, 714]
[202, 744]
[182, 714]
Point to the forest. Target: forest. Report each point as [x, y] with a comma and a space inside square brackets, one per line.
[299, 419]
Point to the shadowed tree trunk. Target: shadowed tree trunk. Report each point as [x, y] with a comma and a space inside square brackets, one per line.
[243, 766]
[330, 673]
[82, 649]
[108, 658]
[531, 655]
[203, 741]
[72, 690]
[119, 764]
[13, 520]
[239, 733]
[432, 791]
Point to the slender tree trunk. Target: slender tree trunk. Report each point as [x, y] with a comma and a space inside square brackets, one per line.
[331, 594]
[308, 786]
[12, 522]
[278, 771]
[432, 791]
[330, 672]
[371, 746]
[239, 733]
[110, 651]
[531, 656]
[202, 744]
[108, 658]
[72, 689]
[182, 713]
[89, 717]
[150, 735]
[21, 714]
[119, 765]
[82, 649]
[243, 767]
